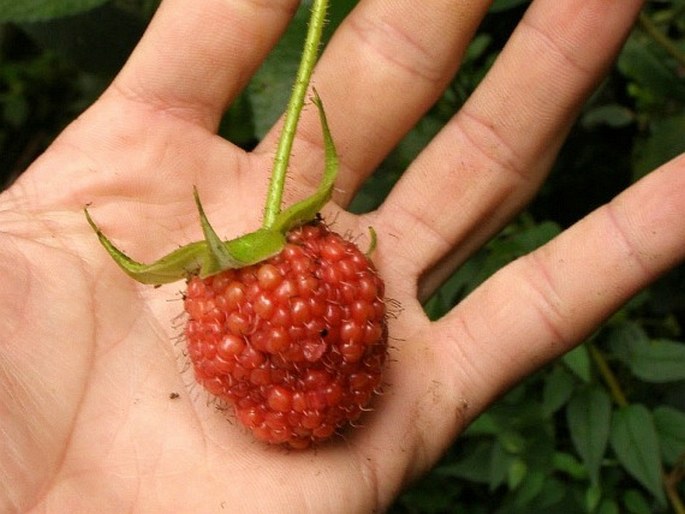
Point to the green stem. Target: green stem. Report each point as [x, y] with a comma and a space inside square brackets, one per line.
[662, 39]
[670, 481]
[608, 376]
[292, 114]
[673, 495]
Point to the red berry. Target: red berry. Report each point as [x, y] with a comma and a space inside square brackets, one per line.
[296, 343]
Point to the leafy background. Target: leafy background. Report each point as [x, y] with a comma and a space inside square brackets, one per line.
[602, 430]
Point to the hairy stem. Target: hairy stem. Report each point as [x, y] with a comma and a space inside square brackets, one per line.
[292, 114]
[662, 39]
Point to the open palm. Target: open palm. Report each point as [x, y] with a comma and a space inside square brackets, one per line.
[98, 410]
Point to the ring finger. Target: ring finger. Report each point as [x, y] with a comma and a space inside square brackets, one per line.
[492, 156]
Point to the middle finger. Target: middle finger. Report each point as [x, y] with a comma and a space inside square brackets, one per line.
[385, 66]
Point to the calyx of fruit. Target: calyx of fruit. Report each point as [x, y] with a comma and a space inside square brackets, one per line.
[213, 255]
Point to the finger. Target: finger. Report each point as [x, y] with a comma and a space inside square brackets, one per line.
[386, 65]
[530, 312]
[193, 60]
[492, 156]
[543, 304]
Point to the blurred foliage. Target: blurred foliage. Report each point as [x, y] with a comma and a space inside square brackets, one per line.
[600, 431]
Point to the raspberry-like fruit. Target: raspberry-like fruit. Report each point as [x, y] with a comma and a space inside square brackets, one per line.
[295, 343]
[286, 322]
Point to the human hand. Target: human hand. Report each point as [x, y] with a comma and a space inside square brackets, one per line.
[90, 358]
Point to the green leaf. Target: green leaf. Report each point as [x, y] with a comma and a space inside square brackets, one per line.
[551, 498]
[608, 506]
[635, 442]
[485, 424]
[663, 142]
[530, 488]
[624, 337]
[567, 463]
[593, 495]
[612, 115]
[589, 416]
[500, 462]
[517, 471]
[504, 5]
[557, 390]
[512, 441]
[657, 360]
[535, 235]
[636, 503]
[471, 466]
[15, 110]
[18, 11]
[670, 425]
[479, 44]
[578, 361]
[646, 67]
[661, 360]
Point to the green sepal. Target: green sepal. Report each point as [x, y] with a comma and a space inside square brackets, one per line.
[195, 258]
[217, 249]
[255, 247]
[307, 209]
[184, 261]
[211, 256]
[374, 241]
